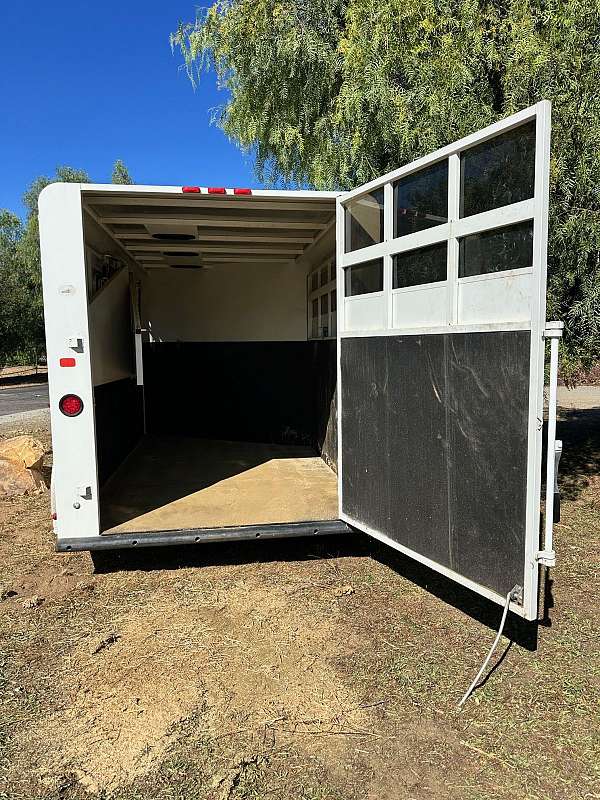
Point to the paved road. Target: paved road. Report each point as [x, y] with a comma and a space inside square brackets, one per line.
[583, 397]
[16, 399]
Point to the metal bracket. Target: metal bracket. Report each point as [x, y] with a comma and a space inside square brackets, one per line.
[553, 330]
[75, 343]
[516, 594]
[547, 558]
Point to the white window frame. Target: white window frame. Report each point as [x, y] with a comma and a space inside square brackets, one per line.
[317, 294]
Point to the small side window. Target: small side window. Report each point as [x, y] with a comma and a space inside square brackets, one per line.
[364, 221]
[496, 250]
[425, 265]
[364, 278]
[498, 172]
[333, 330]
[314, 328]
[324, 276]
[421, 200]
[314, 281]
[324, 314]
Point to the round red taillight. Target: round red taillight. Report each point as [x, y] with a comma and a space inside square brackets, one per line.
[71, 405]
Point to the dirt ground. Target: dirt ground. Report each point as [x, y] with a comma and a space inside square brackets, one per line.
[313, 669]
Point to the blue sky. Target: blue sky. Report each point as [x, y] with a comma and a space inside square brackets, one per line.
[86, 83]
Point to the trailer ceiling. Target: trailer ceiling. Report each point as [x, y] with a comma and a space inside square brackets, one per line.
[160, 230]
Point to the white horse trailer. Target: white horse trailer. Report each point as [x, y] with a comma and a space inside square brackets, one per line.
[233, 364]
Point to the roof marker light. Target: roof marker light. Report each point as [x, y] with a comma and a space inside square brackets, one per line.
[191, 189]
[216, 190]
[242, 191]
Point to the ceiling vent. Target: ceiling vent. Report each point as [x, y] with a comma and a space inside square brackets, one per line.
[175, 231]
[174, 237]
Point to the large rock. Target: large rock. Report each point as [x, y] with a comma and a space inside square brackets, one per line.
[20, 466]
[25, 451]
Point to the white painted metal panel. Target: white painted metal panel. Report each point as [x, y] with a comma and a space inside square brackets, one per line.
[365, 312]
[503, 297]
[110, 331]
[420, 306]
[74, 477]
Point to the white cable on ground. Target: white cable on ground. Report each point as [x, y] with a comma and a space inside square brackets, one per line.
[492, 648]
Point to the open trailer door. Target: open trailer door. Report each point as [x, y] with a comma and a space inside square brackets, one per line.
[442, 280]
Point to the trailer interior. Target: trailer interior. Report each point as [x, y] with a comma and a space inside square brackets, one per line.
[212, 321]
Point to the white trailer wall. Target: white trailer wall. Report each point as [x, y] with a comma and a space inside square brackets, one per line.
[234, 302]
[109, 314]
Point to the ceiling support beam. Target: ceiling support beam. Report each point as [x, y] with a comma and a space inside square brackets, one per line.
[214, 222]
[240, 238]
[202, 248]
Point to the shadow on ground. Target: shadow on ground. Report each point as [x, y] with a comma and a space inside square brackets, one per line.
[579, 430]
[304, 549]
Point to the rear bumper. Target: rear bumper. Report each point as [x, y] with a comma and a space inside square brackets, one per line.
[116, 541]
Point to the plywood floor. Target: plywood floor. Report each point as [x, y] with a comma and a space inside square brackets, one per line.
[170, 483]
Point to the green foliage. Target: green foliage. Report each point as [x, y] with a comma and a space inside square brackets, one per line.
[63, 175]
[120, 173]
[22, 309]
[11, 230]
[332, 93]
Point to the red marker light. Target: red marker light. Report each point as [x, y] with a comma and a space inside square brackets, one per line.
[54, 516]
[216, 190]
[242, 191]
[67, 362]
[71, 405]
[191, 189]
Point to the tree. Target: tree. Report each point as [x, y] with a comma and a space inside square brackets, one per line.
[332, 93]
[22, 324]
[120, 173]
[11, 307]
[22, 310]
[62, 175]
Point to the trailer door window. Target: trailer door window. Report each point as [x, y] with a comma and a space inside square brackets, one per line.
[416, 267]
[364, 221]
[496, 250]
[364, 278]
[421, 200]
[498, 172]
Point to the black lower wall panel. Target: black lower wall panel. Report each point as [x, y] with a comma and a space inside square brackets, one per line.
[488, 412]
[324, 355]
[276, 392]
[434, 436]
[118, 408]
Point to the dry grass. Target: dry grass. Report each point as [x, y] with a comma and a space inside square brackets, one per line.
[251, 671]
